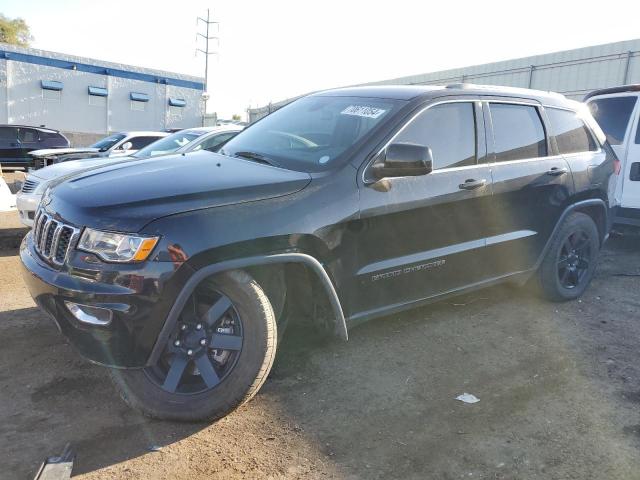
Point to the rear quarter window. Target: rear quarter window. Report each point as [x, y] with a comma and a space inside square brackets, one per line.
[572, 135]
[613, 115]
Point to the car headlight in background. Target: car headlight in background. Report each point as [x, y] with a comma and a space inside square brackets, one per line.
[117, 247]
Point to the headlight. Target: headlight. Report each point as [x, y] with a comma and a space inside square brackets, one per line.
[117, 247]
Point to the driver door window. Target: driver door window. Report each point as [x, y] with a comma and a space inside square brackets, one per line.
[449, 130]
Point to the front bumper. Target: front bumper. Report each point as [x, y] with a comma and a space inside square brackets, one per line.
[27, 204]
[140, 297]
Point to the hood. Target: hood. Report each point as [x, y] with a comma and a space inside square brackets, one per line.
[128, 195]
[60, 171]
[48, 152]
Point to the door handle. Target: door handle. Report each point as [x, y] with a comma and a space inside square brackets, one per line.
[556, 172]
[472, 184]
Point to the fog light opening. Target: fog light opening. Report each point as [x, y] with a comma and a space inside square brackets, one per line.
[90, 315]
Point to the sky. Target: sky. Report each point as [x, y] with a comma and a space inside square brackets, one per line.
[271, 50]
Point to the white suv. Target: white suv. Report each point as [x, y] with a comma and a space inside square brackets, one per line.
[617, 110]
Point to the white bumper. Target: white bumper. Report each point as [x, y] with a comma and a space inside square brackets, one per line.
[27, 204]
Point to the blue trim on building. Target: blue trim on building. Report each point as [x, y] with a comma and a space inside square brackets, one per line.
[85, 67]
[177, 102]
[139, 97]
[51, 85]
[98, 91]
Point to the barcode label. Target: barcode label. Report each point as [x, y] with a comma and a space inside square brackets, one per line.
[363, 111]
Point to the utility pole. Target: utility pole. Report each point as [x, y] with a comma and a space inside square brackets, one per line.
[207, 22]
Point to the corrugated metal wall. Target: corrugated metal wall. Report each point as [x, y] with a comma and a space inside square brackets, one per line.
[573, 73]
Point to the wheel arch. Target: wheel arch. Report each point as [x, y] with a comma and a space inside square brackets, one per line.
[311, 264]
[596, 208]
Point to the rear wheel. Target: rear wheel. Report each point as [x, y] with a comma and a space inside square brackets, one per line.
[216, 359]
[570, 263]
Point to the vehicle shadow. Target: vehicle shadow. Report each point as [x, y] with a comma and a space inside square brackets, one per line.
[50, 396]
[382, 405]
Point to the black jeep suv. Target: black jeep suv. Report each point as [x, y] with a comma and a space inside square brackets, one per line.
[345, 205]
[16, 141]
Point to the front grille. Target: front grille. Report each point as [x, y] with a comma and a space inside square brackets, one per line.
[29, 185]
[53, 239]
[41, 162]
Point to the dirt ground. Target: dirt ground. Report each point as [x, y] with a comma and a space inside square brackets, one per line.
[559, 389]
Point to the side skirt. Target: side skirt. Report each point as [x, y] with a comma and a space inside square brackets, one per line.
[358, 318]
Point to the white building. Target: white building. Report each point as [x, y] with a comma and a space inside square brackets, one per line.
[86, 98]
[573, 73]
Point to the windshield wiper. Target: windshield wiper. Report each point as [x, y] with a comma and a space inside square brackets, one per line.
[256, 157]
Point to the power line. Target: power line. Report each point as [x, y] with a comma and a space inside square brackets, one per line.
[207, 22]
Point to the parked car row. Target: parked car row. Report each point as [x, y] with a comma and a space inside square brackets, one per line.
[65, 164]
[117, 145]
[181, 271]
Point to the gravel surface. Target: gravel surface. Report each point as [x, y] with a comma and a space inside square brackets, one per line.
[559, 390]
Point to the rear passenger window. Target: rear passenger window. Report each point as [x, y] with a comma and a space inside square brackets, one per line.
[571, 133]
[449, 130]
[518, 132]
[613, 114]
[28, 135]
[8, 136]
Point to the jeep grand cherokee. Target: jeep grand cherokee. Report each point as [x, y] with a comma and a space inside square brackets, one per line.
[345, 205]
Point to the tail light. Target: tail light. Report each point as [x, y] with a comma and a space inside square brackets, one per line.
[617, 165]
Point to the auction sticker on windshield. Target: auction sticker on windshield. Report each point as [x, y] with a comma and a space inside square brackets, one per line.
[363, 111]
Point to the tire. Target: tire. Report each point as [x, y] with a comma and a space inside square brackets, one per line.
[570, 262]
[198, 396]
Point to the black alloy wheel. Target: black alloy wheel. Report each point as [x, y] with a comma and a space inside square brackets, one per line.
[570, 261]
[574, 259]
[203, 348]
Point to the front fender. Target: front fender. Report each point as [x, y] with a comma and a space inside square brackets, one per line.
[240, 263]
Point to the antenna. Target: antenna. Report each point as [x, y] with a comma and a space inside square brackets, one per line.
[207, 23]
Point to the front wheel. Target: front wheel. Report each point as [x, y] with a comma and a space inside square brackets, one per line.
[216, 359]
[570, 262]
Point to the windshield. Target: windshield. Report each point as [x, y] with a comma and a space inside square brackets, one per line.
[312, 133]
[168, 144]
[107, 143]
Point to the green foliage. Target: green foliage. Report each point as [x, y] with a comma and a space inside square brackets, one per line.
[235, 117]
[14, 31]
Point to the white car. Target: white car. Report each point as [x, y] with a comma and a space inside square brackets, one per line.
[617, 111]
[184, 141]
[117, 145]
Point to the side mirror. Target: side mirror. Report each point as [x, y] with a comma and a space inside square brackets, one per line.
[404, 160]
[126, 146]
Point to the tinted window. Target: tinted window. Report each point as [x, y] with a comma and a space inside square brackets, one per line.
[613, 114]
[518, 132]
[138, 142]
[8, 134]
[168, 144]
[313, 133]
[449, 130]
[108, 142]
[28, 135]
[570, 131]
[213, 142]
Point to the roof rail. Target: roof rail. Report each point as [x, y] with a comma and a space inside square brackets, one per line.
[475, 86]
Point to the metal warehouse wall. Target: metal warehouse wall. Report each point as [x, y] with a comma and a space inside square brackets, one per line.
[74, 111]
[573, 73]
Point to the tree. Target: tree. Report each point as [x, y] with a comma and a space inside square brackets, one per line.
[235, 117]
[14, 31]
